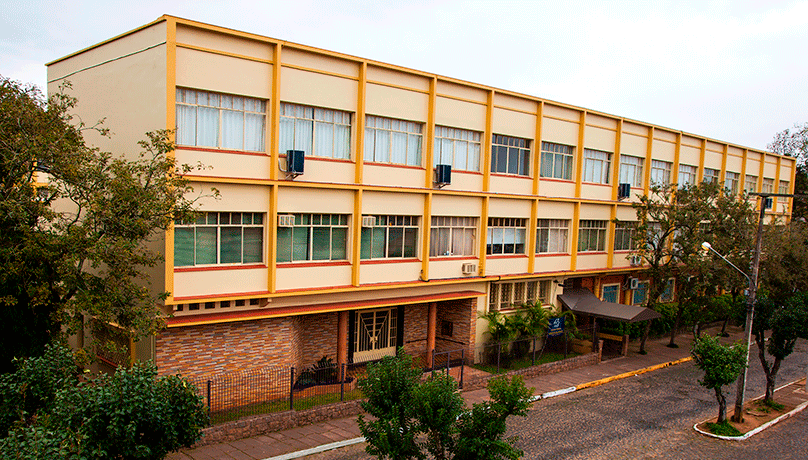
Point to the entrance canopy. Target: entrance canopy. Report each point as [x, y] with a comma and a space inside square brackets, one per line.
[581, 300]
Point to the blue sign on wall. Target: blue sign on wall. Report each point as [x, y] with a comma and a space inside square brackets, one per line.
[556, 327]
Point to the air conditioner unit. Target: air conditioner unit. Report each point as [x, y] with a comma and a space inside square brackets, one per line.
[468, 268]
[368, 221]
[623, 191]
[443, 175]
[286, 220]
[634, 283]
[294, 162]
[635, 261]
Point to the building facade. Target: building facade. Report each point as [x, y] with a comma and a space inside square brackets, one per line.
[365, 206]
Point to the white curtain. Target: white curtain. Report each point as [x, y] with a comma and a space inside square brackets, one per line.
[232, 130]
[207, 127]
[186, 125]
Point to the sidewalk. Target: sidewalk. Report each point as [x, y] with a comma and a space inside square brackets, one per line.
[296, 442]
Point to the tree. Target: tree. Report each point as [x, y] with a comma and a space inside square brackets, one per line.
[404, 408]
[721, 365]
[87, 256]
[794, 142]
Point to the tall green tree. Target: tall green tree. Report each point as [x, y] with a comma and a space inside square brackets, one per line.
[722, 364]
[75, 224]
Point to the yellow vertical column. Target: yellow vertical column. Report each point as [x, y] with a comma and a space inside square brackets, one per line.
[171, 123]
[700, 172]
[616, 163]
[646, 182]
[483, 234]
[579, 158]
[426, 234]
[537, 148]
[742, 175]
[791, 187]
[429, 140]
[272, 237]
[762, 168]
[610, 241]
[676, 158]
[359, 157]
[576, 217]
[776, 186]
[489, 113]
[531, 236]
[722, 176]
[275, 113]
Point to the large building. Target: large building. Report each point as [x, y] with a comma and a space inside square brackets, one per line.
[366, 206]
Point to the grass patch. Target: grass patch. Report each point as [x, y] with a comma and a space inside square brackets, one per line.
[723, 429]
[521, 363]
[280, 405]
[768, 406]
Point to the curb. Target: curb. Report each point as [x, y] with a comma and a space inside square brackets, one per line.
[547, 395]
[757, 430]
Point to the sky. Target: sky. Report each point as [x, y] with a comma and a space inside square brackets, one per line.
[734, 71]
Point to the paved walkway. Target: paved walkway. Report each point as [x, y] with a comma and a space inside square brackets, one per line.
[297, 442]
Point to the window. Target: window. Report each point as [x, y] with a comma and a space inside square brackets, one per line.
[316, 131]
[711, 175]
[611, 293]
[388, 140]
[376, 333]
[631, 170]
[459, 148]
[783, 187]
[596, 166]
[314, 237]
[660, 172]
[592, 235]
[750, 183]
[640, 294]
[453, 236]
[221, 121]
[667, 294]
[768, 185]
[506, 235]
[505, 296]
[624, 236]
[556, 161]
[219, 238]
[552, 235]
[390, 237]
[731, 182]
[510, 155]
[687, 175]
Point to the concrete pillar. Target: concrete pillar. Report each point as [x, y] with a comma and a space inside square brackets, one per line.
[342, 337]
[431, 325]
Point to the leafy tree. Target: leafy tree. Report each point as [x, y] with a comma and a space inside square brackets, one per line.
[87, 256]
[405, 408]
[794, 142]
[721, 364]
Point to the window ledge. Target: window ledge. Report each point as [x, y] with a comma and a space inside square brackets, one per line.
[447, 258]
[506, 256]
[326, 263]
[217, 267]
[215, 150]
[512, 176]
[389, 260]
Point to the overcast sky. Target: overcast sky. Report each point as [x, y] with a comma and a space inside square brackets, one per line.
[734, 71]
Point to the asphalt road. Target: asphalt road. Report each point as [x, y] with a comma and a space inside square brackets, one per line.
[648, 416]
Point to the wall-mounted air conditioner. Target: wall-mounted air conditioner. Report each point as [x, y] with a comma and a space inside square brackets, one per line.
[623, 191]
[443, 175]
[635, 261]
[468, 268]
[286, 220]
[368, 221]
[634, 283]
[295, 160]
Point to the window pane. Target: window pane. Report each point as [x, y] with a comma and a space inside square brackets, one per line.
[254, 132]
[232, 130]
[284, 244]
[207, 127]
[186, 125]
[366, 242]
[398, 154]
[205, 245]
[300, 243]
[183, 247]
[253, 245]
[286, 136]
[342, 142]
[410, 236]
[395, 242]
[321, 243]
[324, 140]
[339, 237]
[230, 248]
[303, 136]
[382, 146]
[414, 150]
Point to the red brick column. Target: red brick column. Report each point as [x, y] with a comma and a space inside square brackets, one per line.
[342, 338]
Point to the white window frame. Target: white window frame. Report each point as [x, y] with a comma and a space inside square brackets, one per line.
[590, 227]
[395, 232]
[617, 294]
[190, 103]
[731, 181]
[556, 160]
[318, 131]
[370, 349]
[513, 294]
[552, 235]
[634, 293]
[219, 222]
[661, 172]
[308, 222]
[516, 152]
[457, 147]
[711, 175]
[768, 185]
[631, 171]
[624, 236]
[750, 183]
[687, 175]
[453, 236]
[505, 231]
[783, 187]
[393, 141]
[597, 165]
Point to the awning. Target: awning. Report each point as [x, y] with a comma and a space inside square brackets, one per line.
[583, 301]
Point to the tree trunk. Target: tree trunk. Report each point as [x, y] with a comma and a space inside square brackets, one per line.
[769, 371]
[679, 312]
[722, 405]
[771, 377]
[724, 327]
[645, 332]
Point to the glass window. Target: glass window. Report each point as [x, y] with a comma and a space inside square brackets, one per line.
[731, 181]
[556, 161]
[611, 293]
[784, 187]
[459, 148]
[596, 166]
[641, 293]
[660, 172]
[687, 175]
[510, 155]
[453, 236]
[768, 185]
[592, 235]
[314, 237]
[506, 235]
[711, 175]
[389, 140]
[220, 121]
[750, 183]
[219, 238]
[631, 170]
[667, 294]
[510, 295]
[390, 237]
[624, 236]
[552, 235]
[318, 132]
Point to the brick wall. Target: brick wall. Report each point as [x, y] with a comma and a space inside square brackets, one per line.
[318, 334]
[462, 313]
[415, 329]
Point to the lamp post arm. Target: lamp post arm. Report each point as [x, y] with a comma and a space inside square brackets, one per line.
[748, 279]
